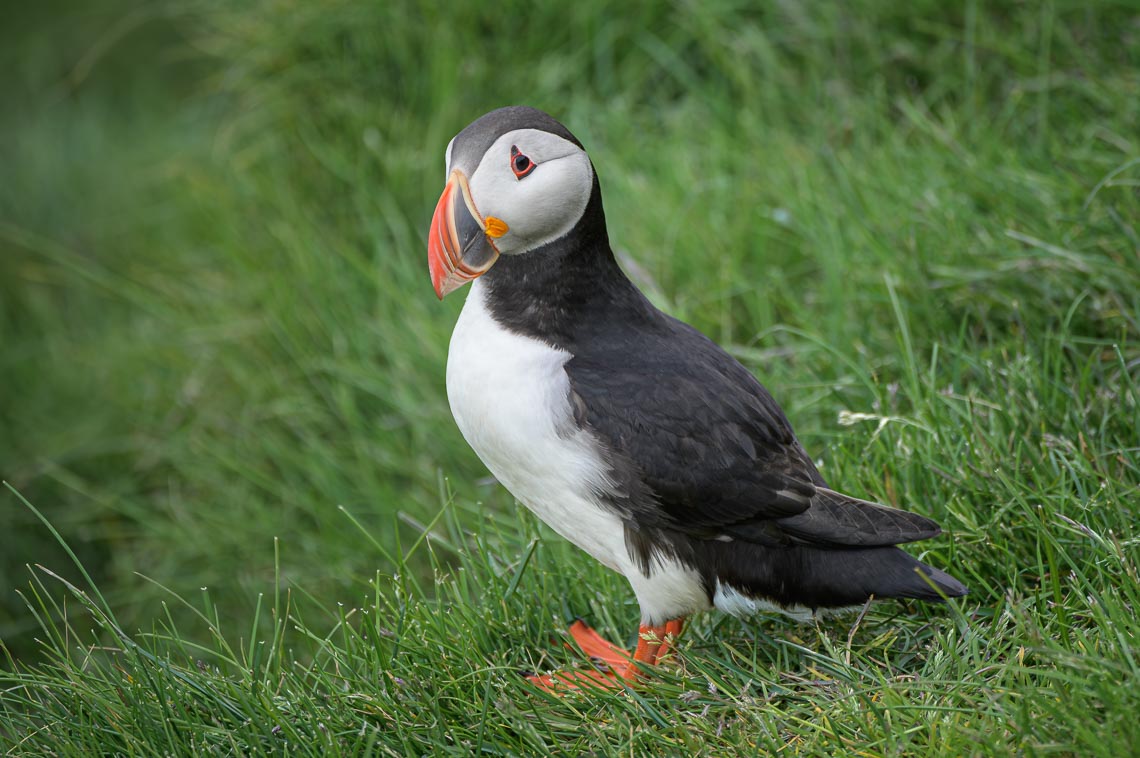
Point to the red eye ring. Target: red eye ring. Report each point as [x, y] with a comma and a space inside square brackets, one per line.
[520, 163]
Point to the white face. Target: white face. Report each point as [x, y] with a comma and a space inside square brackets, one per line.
[539, 204]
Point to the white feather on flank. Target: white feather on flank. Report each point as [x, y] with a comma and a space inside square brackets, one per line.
[510, 398]
[735, 603]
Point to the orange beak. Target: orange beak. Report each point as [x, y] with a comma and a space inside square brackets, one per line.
[460, 242]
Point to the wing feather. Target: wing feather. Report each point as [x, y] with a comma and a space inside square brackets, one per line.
[698, 445]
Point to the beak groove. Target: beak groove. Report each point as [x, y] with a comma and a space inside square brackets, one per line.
[460, 247]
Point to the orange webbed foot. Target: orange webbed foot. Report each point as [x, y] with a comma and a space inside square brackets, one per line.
[617, 668]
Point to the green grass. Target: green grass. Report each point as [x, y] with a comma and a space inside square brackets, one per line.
[222, 370]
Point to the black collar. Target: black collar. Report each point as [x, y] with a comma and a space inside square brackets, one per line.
[567, 290]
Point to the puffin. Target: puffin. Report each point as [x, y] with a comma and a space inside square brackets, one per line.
[627, 431]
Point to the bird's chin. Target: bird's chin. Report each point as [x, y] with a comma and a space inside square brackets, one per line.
[460, 246]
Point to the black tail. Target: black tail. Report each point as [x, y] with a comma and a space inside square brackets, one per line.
[819, 577]
[887, 572]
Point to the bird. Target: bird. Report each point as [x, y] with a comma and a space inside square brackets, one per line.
[627, 431]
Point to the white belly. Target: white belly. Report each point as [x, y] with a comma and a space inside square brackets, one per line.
[510, 397]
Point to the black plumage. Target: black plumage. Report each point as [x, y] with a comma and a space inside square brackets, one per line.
[704, 464]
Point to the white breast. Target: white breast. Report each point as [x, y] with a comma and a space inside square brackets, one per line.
[510, 397]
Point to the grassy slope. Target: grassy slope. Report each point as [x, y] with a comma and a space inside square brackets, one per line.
[217, 329]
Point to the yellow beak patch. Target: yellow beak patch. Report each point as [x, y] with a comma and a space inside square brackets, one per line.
[496, 227]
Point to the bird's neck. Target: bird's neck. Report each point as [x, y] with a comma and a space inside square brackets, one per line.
[558, 292]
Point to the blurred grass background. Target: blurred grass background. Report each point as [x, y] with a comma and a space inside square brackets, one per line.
[217, 325]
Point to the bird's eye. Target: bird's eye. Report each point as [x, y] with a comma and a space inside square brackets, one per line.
[520, 164]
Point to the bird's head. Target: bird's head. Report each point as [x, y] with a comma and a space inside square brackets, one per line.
[517, 180]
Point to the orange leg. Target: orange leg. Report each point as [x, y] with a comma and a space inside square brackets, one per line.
[673, 629]
[618, 667]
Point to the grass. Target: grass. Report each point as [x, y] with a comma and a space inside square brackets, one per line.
[222, 370]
